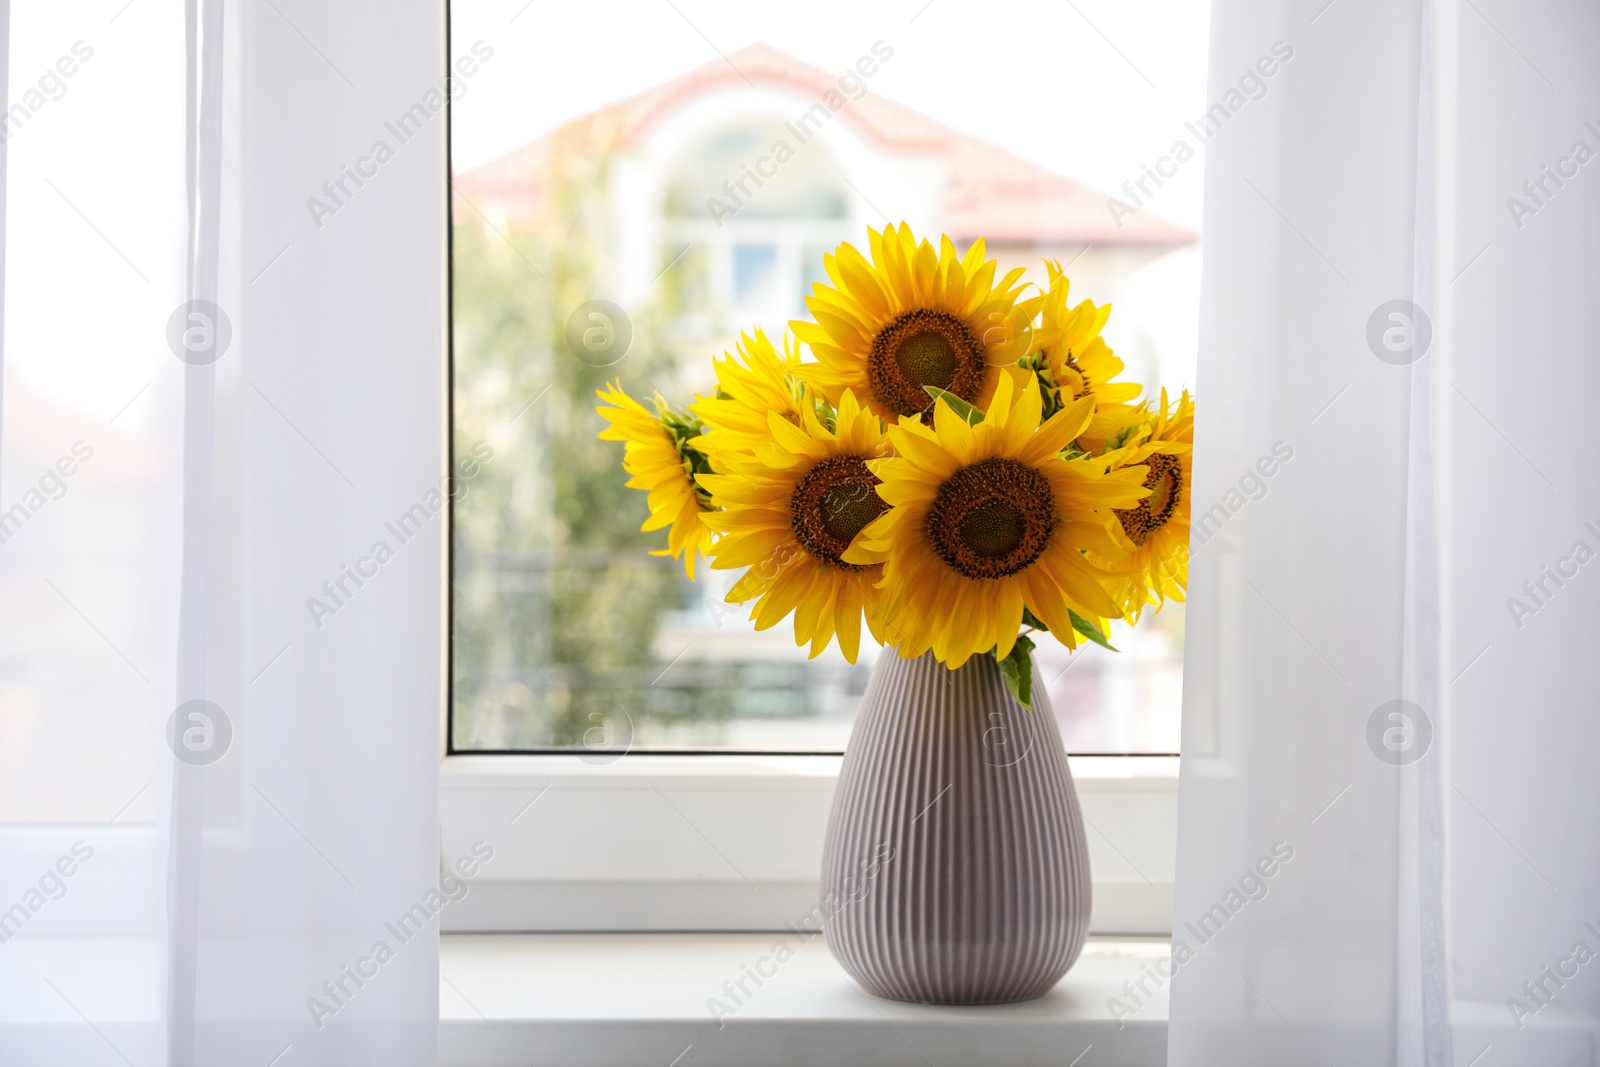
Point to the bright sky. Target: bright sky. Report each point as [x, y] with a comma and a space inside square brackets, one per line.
[1091, 89]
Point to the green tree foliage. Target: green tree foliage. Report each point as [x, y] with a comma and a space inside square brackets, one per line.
[557, 602]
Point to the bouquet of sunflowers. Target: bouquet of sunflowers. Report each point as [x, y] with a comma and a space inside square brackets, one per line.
[957, 465]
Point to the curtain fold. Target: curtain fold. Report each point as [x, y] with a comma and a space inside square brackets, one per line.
[213, 714]
[1393, 361]
[203, 41]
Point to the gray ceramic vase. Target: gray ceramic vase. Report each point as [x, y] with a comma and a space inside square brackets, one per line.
[955, 869]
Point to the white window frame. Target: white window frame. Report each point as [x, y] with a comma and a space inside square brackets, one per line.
[732, 842]
[714, 842]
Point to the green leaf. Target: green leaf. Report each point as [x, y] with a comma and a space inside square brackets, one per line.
[971, 414]
[1089, 630]
[1017, 670]
[825, 413]
[1030, 619]
[1047, 387]
[1120, 438]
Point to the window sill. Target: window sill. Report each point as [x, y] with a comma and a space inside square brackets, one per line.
[588, 1000]
[611, 1000]
[618, 1000]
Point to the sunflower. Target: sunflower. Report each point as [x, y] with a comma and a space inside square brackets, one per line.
[988, 519]
[913, 317]
[1155, 534]
[1079, 363]
[790, 516]
[752, 381]
[657, 453]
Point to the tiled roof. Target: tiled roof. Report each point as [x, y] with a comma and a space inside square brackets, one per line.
[991, 192]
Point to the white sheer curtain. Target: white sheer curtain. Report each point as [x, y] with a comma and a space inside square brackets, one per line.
[218, 807]
[1363, 882]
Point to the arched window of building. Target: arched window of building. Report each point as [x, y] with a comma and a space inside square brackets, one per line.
[756, 207]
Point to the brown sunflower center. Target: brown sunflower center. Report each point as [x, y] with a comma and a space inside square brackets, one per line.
[833, 502]
[924, 347]
[1165, 482]
[993, 528]
[1088, 386]
[992, 519]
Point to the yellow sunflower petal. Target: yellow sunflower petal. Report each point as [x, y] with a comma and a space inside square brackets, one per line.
[912, 315]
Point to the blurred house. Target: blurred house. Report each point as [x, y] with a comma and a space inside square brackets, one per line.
[741, 175]
[712, 199]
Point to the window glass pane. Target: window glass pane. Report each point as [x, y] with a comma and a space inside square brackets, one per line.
[755, 276]
[634, 186]
[812, 271]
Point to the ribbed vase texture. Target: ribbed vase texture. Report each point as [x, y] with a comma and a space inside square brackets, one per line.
[955, 869]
